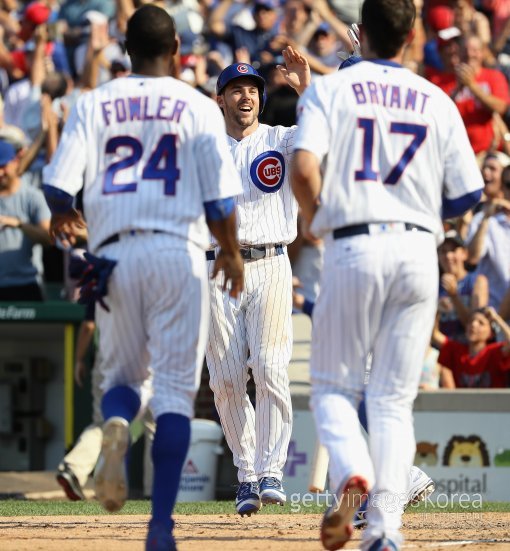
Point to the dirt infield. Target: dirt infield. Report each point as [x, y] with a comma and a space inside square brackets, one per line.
[480, 531]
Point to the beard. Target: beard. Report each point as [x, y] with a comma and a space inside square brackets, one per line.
[242, 120]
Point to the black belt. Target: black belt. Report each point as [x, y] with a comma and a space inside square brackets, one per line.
[116, 236]
[362, 229]
[252, 253]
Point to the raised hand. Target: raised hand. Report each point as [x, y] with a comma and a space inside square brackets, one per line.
[296, 70]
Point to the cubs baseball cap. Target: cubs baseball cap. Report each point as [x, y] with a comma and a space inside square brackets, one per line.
[7, 152]
[452, 235]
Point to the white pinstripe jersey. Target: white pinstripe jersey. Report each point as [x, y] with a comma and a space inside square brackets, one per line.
[395, 143]
[267, 210]
[152, 150]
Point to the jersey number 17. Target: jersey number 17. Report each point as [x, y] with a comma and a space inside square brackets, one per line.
[367, 172]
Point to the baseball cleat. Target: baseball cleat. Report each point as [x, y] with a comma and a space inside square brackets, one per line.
[271, 491]
[360, 519]
[336, 528]
[159, 538]
[420, 486]
[110, 476]
[383, 544]
[67, 479]
[248, 499]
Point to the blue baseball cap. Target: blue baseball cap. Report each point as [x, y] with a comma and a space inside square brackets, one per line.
[7, 152]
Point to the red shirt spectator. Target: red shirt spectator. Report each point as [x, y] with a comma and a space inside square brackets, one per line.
[478, 92]
[476, 117]
[487, 369]
[476, 364]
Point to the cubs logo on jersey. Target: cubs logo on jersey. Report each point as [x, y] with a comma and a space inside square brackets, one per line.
[267, 171]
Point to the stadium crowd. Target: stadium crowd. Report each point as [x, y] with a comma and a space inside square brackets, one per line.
[53, 50]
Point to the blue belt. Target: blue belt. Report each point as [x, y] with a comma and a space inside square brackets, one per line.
[253, 253]
[116, 236]
[364, 229]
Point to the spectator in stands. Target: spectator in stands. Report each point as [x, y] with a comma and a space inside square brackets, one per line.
[24, 222]
[255, 41]
[299, 24]
[439, 18]
[16, 60]
[324, 46]
[478, 92]
[71, 18]
[481, 363]
[471, 21]
[460, 291]
[492, 171]
[489, 242]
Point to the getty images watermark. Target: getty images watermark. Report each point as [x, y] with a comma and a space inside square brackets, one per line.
[391, 503]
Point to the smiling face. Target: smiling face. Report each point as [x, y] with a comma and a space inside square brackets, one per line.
[452, 258]
[240, 102]
[491, 173]
[478, 328]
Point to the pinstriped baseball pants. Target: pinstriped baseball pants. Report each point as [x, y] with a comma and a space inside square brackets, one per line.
[254, 331]
[159, 300]
[378, 295]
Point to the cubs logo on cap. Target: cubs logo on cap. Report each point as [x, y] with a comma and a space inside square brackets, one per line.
[242, 68]
[267, 171]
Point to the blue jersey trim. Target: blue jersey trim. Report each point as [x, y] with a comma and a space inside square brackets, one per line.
[58, 200]
[456, 207]
[219, 209]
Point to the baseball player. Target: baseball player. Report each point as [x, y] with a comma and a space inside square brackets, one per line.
[152, 158]
[254, 330]
[395, 156]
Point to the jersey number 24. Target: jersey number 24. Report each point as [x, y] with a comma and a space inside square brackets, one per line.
[161, 164]
[367, 172]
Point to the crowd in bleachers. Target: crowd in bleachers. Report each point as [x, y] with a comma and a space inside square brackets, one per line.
[53, 50]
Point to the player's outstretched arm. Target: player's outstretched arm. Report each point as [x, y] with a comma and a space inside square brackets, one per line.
[296, 70]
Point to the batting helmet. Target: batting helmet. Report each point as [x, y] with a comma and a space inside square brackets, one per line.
[238, 70]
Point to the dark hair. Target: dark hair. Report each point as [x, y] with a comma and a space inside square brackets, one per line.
[55, 85]
[150, 33]
[387, 24]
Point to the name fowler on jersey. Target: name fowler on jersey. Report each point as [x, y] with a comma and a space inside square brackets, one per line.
[389, 96]
[267, 171]
[142, 108]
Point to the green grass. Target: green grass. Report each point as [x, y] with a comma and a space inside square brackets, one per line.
[13, 508]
